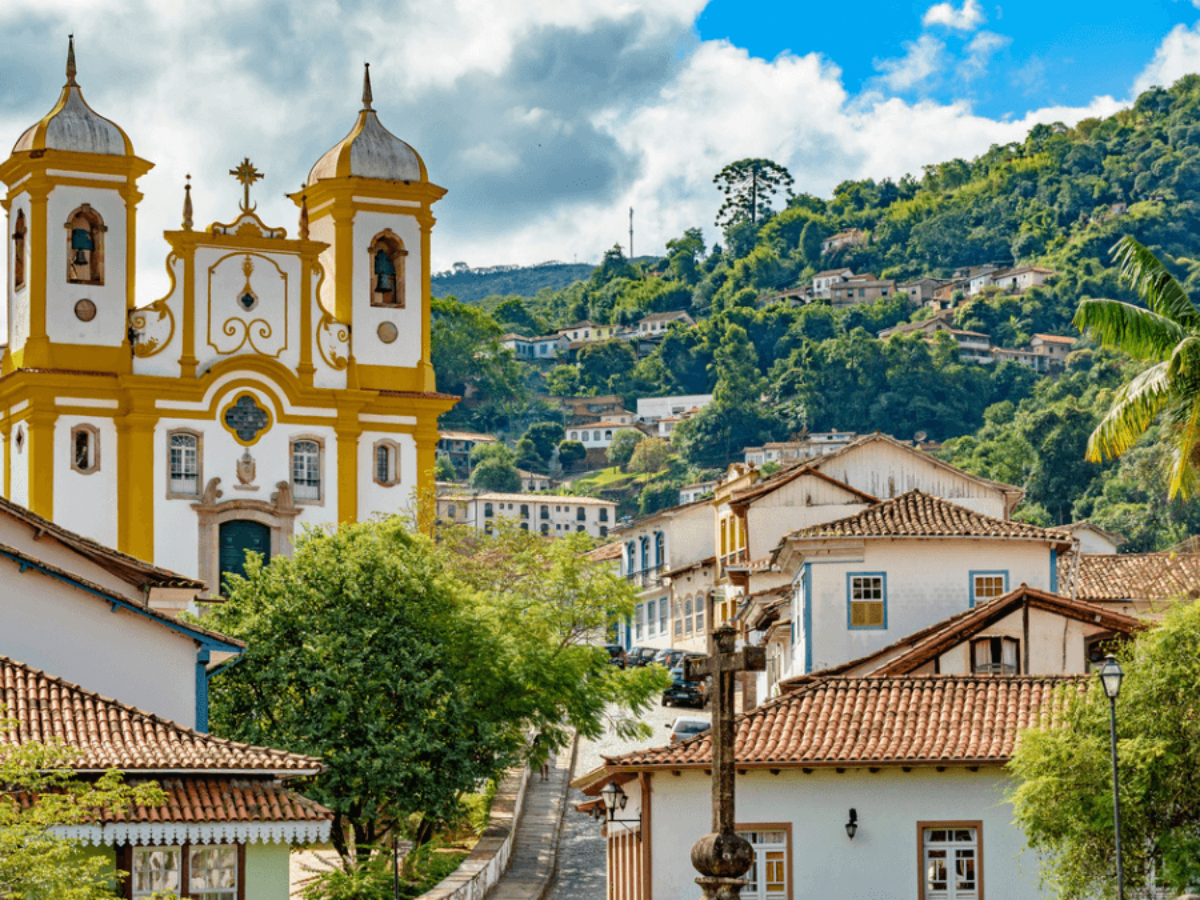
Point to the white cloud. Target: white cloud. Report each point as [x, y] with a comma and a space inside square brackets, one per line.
[1176, 56]
[968, 17]
[979, 52]
[921, 59]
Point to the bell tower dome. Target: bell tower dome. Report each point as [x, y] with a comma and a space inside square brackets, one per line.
[72, 205]
[370, 199]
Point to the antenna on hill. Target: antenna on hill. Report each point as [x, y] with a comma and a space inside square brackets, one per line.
[631, 232]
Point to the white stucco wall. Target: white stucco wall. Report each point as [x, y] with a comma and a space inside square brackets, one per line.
[880, 862]
[223, 327]
[18, 301]
[1057, 644]
[369, 350]
[76, 636]
[375, 499]
[927, 581]
[19, 468]
[86, 502]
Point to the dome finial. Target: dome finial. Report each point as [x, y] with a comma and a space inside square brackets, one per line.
[71, 72]
[187, 204]
[367, 98]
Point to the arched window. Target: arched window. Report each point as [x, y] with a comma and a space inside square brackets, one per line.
[306, 471]
[387, 463]
[659, 548]
[687, 616]
[18, 240]
[545, 528]
[85, 246]
[387, 255]
[85, 449]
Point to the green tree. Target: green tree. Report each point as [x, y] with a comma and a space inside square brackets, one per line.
[495, 473]
[649, 456]
[603, 363]
[563, 381]
[735, 364]
[614, 265]
[443, 468]
[620, 450]
[545, 436]
[34, 862]
[684, 255]
[570, 453]
[467, 354]
[527, 456]
[1167, 335]
[749, 185]
[1063, 797]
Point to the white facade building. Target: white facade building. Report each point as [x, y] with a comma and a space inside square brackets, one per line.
[549, 514]
[598, 435]
[651, 409]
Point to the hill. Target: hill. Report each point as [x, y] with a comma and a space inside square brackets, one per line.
[472, 285]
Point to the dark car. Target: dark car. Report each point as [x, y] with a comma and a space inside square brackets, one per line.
[640, 656]
[668, 659]
[616, 655]
[685, 693]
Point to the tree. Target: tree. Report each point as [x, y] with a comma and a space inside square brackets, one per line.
[365, 652]
[749, 185]
[736, 366]
[443, 468]
[34, 861]
[614, 265]
[649, 456]
[495, 473]
[1063, 798]
[684, 255]
[563, 381]
[570, 453]
[545, 435]
[603, 362]
[1167, 334]
[527, 456]
[620, 450]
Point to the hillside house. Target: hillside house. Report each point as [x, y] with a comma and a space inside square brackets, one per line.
[586, 410]
[853, 237]
[598, 435]
[534, 481]
[921, 291]
[458, 446]
[690, 493]
[533, 349]
[588, 332]
[547, 514]
[655, 325]
[1055, 347]
[823, 281]
[865, 290]
[651, 409]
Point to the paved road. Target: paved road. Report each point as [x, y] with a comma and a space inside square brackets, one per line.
[581, 862]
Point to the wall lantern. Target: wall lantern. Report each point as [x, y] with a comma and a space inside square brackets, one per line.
[614, 801]
[852, 825]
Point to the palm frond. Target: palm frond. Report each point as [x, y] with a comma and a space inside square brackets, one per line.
[1184, 477]
[1131, 329]
[1135, 407]
[1154, 284]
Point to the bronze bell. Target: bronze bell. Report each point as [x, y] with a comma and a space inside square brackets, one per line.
[80, 258]
[383, 284]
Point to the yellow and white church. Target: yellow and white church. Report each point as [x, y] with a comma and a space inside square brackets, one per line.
[282, 381]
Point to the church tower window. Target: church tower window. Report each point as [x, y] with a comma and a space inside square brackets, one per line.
[306, 470]
[85, 449]
[184, 460]
[85, 246]
[387, 463]
[387, 255]
[18, 240]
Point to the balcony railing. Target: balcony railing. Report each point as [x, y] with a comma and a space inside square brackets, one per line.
[647, 578]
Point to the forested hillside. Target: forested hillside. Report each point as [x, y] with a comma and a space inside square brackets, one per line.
[1060, 199]
[469, 285]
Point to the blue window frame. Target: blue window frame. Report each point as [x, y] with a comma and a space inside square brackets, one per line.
[986, 584]
[631, 561]
[637, 623]
[866, 601]
[645, 553]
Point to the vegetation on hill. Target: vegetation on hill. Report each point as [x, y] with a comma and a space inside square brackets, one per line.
[1061, 199]
[470, 285]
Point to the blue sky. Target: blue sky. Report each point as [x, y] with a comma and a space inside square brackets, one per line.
[547, 119]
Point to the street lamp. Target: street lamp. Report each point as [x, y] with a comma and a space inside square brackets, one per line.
[614, 801]
[1110, 678]
[852, 824]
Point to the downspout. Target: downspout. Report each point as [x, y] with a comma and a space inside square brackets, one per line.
[203, 675]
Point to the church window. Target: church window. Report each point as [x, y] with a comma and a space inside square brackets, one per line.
[386, 268]
[183, 450]
[18, 240]
[85, 246]
[387, 463]
[306, 470]
[85, 449]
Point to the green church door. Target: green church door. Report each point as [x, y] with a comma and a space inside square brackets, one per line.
[236, 538]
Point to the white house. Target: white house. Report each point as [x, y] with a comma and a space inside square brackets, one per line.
[1094, 539]
[847, 789]
[901, 566]
[823, 281]
[651, 409]
[690, 493]
[598, 435]
[656, 325]
[547, 514]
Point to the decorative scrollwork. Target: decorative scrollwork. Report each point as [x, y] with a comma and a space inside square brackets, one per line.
[335, 332]
[150, 341]
[255, 328]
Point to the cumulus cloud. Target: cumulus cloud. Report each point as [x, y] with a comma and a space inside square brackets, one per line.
[922, 58]
[979, 52]
[1176, 56]
[967, 17]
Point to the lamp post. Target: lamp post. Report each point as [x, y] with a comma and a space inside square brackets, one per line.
[1110, 678]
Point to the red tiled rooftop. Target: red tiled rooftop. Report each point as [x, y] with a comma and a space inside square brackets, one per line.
[1134, 576]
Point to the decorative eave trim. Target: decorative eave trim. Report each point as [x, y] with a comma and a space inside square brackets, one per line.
[118, 833]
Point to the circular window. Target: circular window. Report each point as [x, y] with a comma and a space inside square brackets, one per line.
[85, 310]
[388, 332]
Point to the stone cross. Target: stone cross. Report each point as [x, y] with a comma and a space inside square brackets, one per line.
[723, 857]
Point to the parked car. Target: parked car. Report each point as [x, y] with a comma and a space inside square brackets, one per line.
[640, 656]
[668, 659]
[685, 693]
[616, 655]
[685, 727]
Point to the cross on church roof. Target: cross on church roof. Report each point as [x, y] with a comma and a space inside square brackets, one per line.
[246, 175]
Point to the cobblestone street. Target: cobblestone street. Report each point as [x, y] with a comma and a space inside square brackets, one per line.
[581, 864]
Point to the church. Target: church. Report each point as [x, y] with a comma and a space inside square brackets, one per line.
[281, 382]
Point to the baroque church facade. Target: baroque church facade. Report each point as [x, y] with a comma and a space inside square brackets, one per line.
[282, 381]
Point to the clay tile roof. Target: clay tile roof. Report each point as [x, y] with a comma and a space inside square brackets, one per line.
[917, 514]
[113, 735]
[606, 552]
[1134, 576]
[205, 800]
[907, 720]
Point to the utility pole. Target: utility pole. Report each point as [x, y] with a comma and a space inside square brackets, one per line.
[631, 232]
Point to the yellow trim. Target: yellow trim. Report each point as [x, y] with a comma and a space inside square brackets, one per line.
[135, 482]
[233, 402]
[6, 431]
[391, 378]
[41, 461]
[348, 432]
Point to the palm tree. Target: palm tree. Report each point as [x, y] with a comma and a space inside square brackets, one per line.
[1167, 334]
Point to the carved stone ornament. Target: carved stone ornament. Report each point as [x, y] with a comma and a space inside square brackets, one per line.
[278, 514]
[246, 469]
[85, 310]
[387, 332]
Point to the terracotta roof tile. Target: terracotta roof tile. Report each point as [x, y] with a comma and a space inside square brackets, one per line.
[917, 514]
[113, 735]
[1134, 576]
[876, 721]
